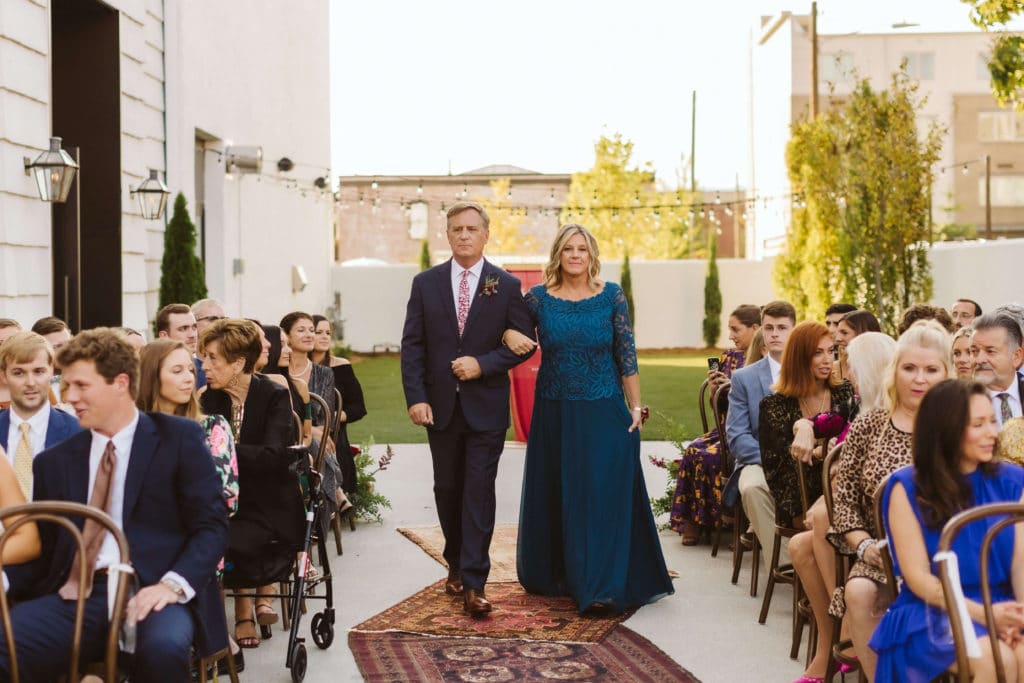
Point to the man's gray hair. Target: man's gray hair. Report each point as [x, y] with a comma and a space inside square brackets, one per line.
[1009, 317]
[206, 302]
[459, 207]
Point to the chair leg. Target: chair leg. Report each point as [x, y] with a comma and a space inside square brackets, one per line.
[351, 521]
[286, 615]
[797, 629]
[336, 525]
[772, 569]
[737, 551]
[755, 567]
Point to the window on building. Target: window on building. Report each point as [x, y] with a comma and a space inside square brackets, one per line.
[1007, 190]
[920, 65]
[1000, 126]
[835, 67]
[418, 220]
[981, 67]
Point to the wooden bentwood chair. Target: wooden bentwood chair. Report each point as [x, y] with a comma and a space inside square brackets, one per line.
[59, 513]
[1012, 514]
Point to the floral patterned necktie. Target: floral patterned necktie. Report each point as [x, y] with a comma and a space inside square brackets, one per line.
[463, 310]
[1005, 414]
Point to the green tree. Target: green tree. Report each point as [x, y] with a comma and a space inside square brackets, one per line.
[626, 283]
[621, 205]
[506, 221]
[712, 299]
[425, 254]
[860, 231]
[182, 277]
[1006, 66]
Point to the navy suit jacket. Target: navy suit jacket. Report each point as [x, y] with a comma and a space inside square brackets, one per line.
[430, 342]
[60, 428]
[749, 386]
[174, 516]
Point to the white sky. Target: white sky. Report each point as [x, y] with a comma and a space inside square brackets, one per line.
[420, 87]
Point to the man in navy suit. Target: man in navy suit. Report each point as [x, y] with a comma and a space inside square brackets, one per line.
[455, 376]
[26, 363]
[749, 386]
[164, 494]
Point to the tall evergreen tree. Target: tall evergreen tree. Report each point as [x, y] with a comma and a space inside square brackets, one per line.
[182, 276]
[712, 298]
[627, 288]
[425, 254]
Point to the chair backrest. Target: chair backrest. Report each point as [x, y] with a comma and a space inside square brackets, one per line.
[720, 405]
[1012, 513]
[298, 427]
[337, 416]
[57, 512]
[328, 421]
[891, 587]
[702, 399]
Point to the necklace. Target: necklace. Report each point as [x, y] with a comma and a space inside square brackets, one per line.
[309, 364]
[821, 405]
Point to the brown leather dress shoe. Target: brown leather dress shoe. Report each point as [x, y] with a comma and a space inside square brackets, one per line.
[475, 603]
[453, 584]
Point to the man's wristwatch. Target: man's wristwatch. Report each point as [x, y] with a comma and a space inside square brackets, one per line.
[174, 586]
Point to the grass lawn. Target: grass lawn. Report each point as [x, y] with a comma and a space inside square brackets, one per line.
[669, 385]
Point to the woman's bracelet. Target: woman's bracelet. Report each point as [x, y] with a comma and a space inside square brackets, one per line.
[863, 546]
[637, 408]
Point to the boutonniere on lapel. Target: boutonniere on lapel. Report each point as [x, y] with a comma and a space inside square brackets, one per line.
[490, 287]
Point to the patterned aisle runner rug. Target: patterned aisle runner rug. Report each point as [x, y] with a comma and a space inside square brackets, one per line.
[503, 548]
[622, 656]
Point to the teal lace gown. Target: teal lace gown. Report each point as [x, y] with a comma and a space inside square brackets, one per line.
[585, 523]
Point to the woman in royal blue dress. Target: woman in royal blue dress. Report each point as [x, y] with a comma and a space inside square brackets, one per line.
[953, 448]
[585, 523]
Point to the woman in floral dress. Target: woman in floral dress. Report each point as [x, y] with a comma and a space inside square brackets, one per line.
[696, 505]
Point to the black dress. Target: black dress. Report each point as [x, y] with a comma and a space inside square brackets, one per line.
[270, 513]
[355, 409]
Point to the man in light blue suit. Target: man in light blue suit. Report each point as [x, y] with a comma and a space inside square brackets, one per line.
[749, 386]
[31, 424]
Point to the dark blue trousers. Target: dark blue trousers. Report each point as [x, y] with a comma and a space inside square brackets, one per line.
[44, 630]
[465, 467]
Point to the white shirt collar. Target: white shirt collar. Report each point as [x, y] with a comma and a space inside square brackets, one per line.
[37, 423]
[474, 270]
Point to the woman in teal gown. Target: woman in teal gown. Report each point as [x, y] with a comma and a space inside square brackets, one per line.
[585, 523]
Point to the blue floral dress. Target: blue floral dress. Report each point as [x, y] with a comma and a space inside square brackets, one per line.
[913, 641]
[585, 523]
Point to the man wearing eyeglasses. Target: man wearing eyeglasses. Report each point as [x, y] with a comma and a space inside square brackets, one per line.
[206, 311]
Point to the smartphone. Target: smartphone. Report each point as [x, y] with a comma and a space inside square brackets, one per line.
[714, 364]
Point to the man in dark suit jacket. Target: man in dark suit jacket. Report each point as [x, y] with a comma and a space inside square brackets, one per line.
[455, 376]
[27, 366]
[165, 496]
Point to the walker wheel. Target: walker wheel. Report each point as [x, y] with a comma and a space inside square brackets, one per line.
[322, 631]
[298, 662]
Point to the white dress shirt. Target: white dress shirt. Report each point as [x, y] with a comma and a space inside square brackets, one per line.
[473, 279]
[37, 425]
[997, 403]
[776, 368]
[109, 554]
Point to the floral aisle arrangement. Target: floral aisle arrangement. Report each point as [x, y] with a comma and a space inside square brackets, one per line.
[367, 503]
[663, 504]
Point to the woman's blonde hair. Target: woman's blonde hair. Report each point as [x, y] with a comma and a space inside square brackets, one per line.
[553, 271]
[868, 356]
[151, 359]
[923, 334]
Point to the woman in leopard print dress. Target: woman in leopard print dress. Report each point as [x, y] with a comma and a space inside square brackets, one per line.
[879, 444]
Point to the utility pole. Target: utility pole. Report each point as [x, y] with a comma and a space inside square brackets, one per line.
[988, 196]
[814, 60]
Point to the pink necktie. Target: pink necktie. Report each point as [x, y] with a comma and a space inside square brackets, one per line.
[93, 533]
[463, 309]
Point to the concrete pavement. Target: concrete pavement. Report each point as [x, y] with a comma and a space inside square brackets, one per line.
[708, 626]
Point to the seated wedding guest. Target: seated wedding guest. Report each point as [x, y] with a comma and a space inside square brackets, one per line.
[698, 498]
[153, 474]
[57, 332]
[273, 364]
[998, 354]
[750, 384]
[207, 311]
[833, 314]
[756, 350]
[260, 415]
[31, 424]
[963, 359]
[869, 355]
[806, 390]
[299, 328]
[132, 336]
[964, 311]
[8, 327]
[176, 321]
[877, 445]
[954, 469]
[167, 384]
[353, 407]
[849, 326]
[926, 312]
